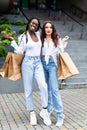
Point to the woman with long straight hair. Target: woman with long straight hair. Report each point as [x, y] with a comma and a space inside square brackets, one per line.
[51, 46]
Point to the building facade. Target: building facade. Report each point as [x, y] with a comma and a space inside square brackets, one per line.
[79, 6]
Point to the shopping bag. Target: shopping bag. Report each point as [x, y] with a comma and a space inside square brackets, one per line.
[11, 68]
[66, 67]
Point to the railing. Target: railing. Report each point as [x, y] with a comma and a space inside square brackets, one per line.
[64, 20]
[75, 20]
[22, 12]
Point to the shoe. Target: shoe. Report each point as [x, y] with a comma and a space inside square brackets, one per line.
[60, 122]
[33, 119]
[45, 116]
[50, 113]
[63, 82]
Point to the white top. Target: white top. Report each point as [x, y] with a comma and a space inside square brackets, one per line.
[52, 50]
[30, 48]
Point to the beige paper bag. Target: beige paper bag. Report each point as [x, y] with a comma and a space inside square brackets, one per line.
[66, 67]
[11, 68]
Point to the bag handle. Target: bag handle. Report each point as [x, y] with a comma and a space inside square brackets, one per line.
[25, 33]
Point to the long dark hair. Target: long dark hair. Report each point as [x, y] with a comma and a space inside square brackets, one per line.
[39, 26]
[55, 36]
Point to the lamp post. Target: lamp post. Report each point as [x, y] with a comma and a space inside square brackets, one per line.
[54, 5]
[54, 8]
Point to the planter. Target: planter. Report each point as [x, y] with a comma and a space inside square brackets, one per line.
[6, 85]
[9, 86]
[1, 61]
[9, 49]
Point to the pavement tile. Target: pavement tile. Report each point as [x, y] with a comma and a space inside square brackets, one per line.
[14, 116]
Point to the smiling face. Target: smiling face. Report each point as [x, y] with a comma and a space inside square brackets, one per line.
[33, 25]
[48, 29]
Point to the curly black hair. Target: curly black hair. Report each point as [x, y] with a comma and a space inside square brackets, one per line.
[39, 26]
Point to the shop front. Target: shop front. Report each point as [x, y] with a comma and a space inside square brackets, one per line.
[38, 4]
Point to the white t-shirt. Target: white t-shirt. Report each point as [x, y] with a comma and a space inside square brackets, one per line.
[30, 48]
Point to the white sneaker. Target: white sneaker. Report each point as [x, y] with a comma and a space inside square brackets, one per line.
[50, 113]
[60, 122]
[33, 119]
[45, 116]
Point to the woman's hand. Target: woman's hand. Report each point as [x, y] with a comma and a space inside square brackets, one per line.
[65, 39]
[9, 37]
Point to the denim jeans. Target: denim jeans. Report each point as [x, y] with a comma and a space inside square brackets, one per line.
[32, 68]
[54, 99]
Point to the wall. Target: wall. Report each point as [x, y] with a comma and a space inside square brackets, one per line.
[6, 5]
[82, 4]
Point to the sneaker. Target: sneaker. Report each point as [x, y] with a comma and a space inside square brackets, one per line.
[45, 116]
[63, 82]
[50, 113]
[33, 119]
[60, 122]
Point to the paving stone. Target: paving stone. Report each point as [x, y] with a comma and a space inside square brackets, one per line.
[13, 117]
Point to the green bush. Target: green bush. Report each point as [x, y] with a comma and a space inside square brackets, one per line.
[5, 31]
[22, 30]
[5, 27]
[3, 51]
[4, 20]
[5, 41]
[19, 23]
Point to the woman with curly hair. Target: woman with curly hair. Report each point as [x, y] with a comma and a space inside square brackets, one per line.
[29, 44]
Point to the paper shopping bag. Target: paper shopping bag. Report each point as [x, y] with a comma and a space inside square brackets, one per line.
[66, 67]
[11, 68]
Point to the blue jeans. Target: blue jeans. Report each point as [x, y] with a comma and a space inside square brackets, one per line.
[32, 68]
[54, 98]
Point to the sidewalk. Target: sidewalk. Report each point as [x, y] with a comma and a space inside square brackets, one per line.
[14, 116]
